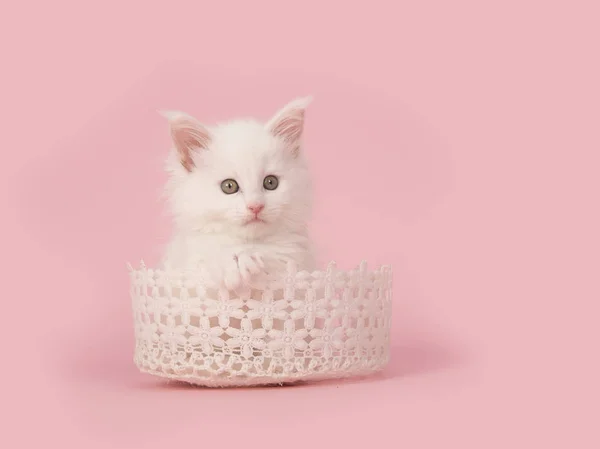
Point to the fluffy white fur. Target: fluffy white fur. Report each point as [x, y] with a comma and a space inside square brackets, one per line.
[212, 229]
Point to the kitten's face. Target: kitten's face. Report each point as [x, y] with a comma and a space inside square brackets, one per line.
[247, 178]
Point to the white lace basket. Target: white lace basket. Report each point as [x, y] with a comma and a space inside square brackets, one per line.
[306, 327]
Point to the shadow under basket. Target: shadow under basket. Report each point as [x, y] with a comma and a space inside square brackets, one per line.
[306, 327]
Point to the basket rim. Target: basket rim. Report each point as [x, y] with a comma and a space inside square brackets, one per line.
[291, 269]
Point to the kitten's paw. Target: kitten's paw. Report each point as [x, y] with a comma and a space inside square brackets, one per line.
[250, 264]
[241, 268]
[232, 277]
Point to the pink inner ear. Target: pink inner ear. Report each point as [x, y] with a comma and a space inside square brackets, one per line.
[289, 127]
[188, 137]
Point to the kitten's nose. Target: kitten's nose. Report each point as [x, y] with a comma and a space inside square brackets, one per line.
[256, 208]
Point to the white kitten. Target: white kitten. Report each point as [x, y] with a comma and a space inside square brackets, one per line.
[240, 193]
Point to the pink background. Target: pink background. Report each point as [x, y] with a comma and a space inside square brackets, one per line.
[456, 140]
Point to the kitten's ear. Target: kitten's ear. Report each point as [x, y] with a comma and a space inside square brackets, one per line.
[288, 123]
[188, 136]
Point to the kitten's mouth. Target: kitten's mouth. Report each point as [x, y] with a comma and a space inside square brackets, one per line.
[254, 220]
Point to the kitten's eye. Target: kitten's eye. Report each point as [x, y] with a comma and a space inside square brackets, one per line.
[229, 186]
[271, 182]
